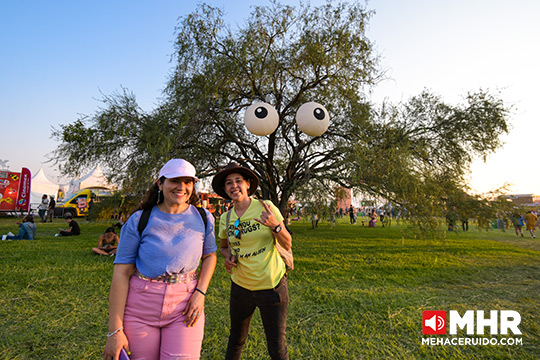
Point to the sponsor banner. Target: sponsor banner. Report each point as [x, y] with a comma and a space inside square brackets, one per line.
[23, 199]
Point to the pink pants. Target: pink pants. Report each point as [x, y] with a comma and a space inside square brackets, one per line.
[154, 324]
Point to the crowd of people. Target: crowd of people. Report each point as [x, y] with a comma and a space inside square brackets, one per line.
[529, 220]
[369, 215]
[366, 215]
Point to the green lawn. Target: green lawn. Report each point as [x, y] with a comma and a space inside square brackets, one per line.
[356, 293]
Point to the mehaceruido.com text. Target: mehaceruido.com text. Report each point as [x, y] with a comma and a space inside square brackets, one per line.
[471, 341]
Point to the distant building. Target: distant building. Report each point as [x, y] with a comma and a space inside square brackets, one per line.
[356, 199]
[524, 199]
[345, 202]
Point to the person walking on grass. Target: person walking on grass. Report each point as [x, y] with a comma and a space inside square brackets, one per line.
[530, 219]
[352, 217]
[248, 233]
[518, 221]
[50, 209]
[314, 220]
[157, 298]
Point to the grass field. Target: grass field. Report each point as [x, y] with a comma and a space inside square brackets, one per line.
[356, 293]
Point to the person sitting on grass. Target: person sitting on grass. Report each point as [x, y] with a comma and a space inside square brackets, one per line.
[27, 230]
[73, 229]
[108, 242]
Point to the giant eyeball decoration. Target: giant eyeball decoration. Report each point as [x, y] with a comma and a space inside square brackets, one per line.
[312, 119]
[261, 119]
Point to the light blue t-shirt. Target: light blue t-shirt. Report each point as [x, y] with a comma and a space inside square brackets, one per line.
[170, 243]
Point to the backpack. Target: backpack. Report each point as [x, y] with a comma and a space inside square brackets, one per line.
[143, 221]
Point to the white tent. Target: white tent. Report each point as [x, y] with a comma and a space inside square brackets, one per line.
[94, 179]
[41, 185]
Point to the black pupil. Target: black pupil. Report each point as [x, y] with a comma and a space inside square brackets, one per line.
[318, 113]
[261, 112]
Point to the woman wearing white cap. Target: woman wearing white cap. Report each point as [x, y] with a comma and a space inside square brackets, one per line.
[156, 304]
[258, 277]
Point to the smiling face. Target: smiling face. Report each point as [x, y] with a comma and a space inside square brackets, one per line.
[236, 187]
[176, 191]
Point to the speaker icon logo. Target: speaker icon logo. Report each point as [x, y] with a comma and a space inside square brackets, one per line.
[434, 322]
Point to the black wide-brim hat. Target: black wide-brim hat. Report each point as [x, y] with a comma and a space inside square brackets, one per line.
[218, 183]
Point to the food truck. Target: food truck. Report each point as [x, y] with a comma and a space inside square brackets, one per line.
[15, 190]
[77, 204]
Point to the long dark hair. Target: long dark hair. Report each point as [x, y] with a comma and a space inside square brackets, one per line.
[150, 199]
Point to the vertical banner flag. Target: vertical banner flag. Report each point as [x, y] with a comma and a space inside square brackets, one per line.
[23, 200]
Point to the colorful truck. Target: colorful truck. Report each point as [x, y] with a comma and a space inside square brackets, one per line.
[78, 204]
[15, 190]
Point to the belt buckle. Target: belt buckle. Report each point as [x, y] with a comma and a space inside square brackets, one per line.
[173, 279]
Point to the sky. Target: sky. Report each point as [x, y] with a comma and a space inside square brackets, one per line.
[59, 58]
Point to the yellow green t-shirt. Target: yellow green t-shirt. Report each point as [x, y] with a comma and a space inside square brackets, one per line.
[259, 265]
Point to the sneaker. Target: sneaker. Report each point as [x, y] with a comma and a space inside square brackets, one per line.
[56, 234]
[4, 237]
[10, 234]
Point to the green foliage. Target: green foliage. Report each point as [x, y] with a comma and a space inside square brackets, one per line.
[114, 206]
[413, 154]
[355, 293]
[129, 142]
[416, 154]
[283, 55]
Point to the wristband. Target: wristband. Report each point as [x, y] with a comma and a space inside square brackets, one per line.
[114, 332]
[199, 290]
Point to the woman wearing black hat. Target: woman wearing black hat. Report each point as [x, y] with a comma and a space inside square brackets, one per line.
[248, 233]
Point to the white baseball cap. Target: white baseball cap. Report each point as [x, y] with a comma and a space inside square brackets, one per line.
[178, 168]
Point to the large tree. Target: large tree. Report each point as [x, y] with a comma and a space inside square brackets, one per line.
[287, 56]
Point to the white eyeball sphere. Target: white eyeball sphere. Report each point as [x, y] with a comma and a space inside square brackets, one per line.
[261, 119]
[312, 119]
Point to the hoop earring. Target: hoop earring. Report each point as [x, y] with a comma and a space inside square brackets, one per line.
[158, 197]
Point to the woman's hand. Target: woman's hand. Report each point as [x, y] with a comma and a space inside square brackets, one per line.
[114, 344]
[230, 263]
[267, 217]
[194, 308]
